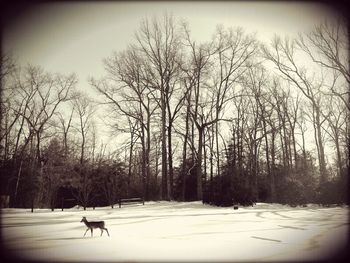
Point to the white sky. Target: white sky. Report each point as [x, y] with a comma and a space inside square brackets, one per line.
[75, 37]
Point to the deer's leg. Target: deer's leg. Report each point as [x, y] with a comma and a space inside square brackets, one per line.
[106, 230]
[86, 231]
[91, 232]
[101, 231]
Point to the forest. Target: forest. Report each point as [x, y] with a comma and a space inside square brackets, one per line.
[228, 121]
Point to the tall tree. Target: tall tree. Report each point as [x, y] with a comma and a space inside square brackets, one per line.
[129, 94]
[226, 55]
[84, 110]
[336, 116]
[283, 55]
[43, 93]
[159, 42]
[328, 46]
[7, 66]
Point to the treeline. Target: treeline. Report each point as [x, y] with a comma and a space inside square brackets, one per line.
[231, 120]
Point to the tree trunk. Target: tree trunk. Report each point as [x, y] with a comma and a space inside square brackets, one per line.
[5, 147]
[273, 167]
[158, 196]
[211, 138]
[199, 164]
[286, 144]
[339, 159]
[240, 152]
[304, 149]
[217, 149]
[183, 167]
[82, 151]
[267, 154]
[283, 149]
[38, 157]
[164, 150]
[148, 150]
[18, 136]
[170, 160]
[184, 150]
[255, 173]
[294, 146]
[17, 181]
[322, 161]
[204, 159]
[143, 161]
[130, 163]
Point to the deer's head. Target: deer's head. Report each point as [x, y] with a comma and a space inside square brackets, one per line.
[83, 220]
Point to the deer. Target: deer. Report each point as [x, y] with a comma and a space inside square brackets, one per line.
[94, 224]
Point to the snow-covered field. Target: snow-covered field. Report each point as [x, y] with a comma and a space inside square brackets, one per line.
[171, 231]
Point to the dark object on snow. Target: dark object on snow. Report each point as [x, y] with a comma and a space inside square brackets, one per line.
[4, 201]
[131, 201]
[68, 203]
[235, 207]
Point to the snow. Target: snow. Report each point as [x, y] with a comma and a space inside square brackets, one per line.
[175, 231]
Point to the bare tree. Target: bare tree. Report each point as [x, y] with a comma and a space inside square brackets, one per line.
[38, 97]
[283, 55]
[65, 126]
[336, 120]
[301, 122]
[328, 46]
[226, 56]
[84, 110]
[257, 81]
[158, 40]
[130, 94]
[7, 67]
[109, 173]
[234, 51]
[54, 171]
[49, 92]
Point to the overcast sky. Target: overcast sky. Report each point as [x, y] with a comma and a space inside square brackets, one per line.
[75, 37]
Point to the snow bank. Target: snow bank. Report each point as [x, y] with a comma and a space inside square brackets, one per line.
[177, 231]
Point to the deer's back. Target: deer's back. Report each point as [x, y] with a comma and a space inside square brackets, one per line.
[95, 224]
